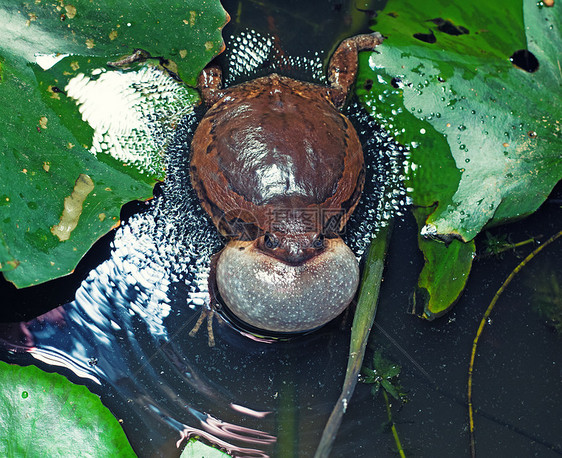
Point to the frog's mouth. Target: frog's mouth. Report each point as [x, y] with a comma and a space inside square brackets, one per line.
[272, 295]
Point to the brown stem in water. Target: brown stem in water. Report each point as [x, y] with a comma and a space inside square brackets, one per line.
[481, 328]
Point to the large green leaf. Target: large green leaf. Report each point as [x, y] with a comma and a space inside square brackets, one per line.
[484, 134]
[49, 132]
[43, 414]
[186, 31]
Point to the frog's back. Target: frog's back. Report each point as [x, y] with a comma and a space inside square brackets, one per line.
[276, 143]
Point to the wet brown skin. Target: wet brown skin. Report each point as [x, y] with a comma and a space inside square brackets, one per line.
[276, 144]
[279, 169]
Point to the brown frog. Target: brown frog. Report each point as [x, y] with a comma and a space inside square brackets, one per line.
[280, 170]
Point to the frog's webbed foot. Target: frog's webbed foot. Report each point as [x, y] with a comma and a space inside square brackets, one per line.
[342, 69]
[210, 85]
[208, 311]
[208, 314]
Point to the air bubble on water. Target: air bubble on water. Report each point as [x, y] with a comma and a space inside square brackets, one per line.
[384, 194]
[261, 57]
[132, 113]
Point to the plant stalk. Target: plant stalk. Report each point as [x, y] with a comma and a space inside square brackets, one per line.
[362, 324]
[393, 426]
[481, 328]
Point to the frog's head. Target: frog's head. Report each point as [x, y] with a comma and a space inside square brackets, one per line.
[287, 282]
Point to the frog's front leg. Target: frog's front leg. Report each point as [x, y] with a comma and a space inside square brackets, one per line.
[210, 85]
[342, 69]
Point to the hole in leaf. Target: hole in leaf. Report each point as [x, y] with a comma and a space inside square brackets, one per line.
[525, 60]
[448, 27]
[426, 37]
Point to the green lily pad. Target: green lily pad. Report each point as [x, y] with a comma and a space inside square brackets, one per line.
[482, 147]
[187, 32]
[444, 274]
[43, 414]
[59, 190]
[196, 449]
[484, 135]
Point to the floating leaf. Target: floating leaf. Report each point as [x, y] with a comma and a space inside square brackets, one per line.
[444, 274]
[196, 449]
[481, 147]
[483, 151]
[50, 130]
[43, 414]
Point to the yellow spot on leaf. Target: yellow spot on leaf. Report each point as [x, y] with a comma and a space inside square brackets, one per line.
[74, 65]
[101, 216]
[73, 207]
[70, 11]
[90, 43]
[209, 45]
[113, 35]
[46, 166]
[54, 95]
[13, 263]
[43, 122]
[192, 18]
[32, 17]
[183, 53]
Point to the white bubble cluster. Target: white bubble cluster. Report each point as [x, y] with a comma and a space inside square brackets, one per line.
[133, 113]
[251, 54]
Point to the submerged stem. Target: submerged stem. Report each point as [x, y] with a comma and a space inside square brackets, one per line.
[481, 328]
[393, 426]
[362, 324]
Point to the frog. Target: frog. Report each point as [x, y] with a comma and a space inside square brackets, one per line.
[279, 169]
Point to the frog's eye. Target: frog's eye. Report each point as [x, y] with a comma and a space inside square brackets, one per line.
[318, 242]
[270, 240]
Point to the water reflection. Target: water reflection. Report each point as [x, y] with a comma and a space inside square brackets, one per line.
[116, 334]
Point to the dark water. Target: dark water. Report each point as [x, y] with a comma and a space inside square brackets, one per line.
[121, 327]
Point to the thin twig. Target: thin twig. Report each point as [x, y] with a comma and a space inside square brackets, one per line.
[481, 328]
